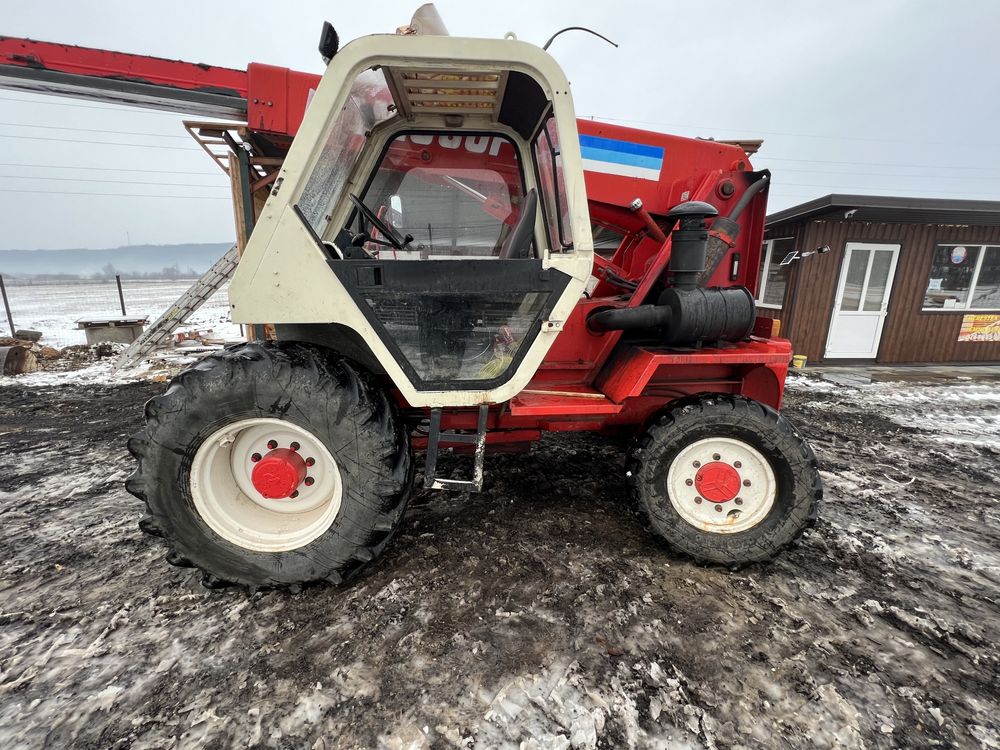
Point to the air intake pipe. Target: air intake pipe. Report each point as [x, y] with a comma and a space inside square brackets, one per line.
[685, 316]
[688, 242]
[686, 313]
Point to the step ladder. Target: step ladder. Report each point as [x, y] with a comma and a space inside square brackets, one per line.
[181, 310]
[434, 439]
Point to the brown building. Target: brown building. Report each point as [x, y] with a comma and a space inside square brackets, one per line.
[905, 280]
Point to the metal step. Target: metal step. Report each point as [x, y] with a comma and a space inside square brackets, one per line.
[154, 336]
[562, 401]
[435, 437]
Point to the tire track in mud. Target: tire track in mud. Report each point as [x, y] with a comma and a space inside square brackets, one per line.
[536, 612]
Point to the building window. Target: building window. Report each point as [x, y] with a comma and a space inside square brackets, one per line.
[964, 277]
[773, 276]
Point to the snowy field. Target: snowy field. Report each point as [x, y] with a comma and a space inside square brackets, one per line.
[54, 309]
[536, 614]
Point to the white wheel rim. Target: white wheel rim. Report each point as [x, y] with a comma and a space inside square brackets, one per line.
[721, 485]
[226, 499]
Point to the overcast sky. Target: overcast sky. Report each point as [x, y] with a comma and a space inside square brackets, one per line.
[892, 97]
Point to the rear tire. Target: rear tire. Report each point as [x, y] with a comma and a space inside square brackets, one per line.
[724, 479]
[194, 479]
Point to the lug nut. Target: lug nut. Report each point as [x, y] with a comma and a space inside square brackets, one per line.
[688, 482]
[738, 501]
[696, 464]
[716, 457]
[698, 500]
[738, 464]
[309, 481]
[746, 482]
[310, 461]
[294, 446]
[295, 493]
[272, 444]
[718, 508]
[255, 457]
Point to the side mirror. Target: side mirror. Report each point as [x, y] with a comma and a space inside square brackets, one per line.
[329, 42]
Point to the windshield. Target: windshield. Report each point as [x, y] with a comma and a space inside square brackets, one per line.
[366, 106]
[454, 194]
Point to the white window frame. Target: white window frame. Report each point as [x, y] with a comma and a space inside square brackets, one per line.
[967, 307]
[762, 281]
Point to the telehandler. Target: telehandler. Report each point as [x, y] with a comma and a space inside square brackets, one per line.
[425, 262]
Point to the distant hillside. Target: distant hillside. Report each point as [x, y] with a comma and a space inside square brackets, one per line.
[147, 260]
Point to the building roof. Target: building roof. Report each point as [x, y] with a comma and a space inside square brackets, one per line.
[884, 208]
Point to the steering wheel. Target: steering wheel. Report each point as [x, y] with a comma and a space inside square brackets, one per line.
[386, 230]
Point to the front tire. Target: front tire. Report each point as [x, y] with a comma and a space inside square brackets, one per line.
[272, 465]
[724, 479]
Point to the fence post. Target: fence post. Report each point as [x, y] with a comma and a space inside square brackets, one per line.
[121, 297]
[6, 305]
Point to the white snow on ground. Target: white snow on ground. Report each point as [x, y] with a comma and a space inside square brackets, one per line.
[54, 309]
[162, 366]
[103, 372]
[99, 372]
[935, 405]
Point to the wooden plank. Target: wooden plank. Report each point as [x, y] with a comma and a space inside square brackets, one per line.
[236, 185]
[267, 161]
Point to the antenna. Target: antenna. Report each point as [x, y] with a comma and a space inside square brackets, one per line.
[577, 28]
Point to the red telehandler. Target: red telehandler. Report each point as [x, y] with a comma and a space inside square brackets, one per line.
[418, 267]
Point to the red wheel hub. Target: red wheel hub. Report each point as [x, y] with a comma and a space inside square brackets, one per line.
[278, 473]
[717, 482]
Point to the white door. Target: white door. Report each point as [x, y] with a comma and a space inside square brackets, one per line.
[862, 300]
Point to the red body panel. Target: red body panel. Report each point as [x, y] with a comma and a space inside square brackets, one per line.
[277, 98]
[686, 161]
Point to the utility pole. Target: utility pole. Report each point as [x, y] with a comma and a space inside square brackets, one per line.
[121, 296]
[6, 305]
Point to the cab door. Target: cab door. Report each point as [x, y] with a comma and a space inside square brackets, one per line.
[450, 275]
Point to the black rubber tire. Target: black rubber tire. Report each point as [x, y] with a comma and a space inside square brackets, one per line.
[799, 487]
[301, 384]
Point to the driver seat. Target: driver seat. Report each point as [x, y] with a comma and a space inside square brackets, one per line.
[518, 242]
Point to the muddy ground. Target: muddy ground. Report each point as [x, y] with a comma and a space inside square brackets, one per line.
[537, 613]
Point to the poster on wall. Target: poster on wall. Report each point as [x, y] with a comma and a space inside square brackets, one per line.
[980, 328]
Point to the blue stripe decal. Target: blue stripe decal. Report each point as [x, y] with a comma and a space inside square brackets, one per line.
[617, 157]
[609, 144]
[621, 152]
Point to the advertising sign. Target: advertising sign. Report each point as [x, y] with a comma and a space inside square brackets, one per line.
[980, 328]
